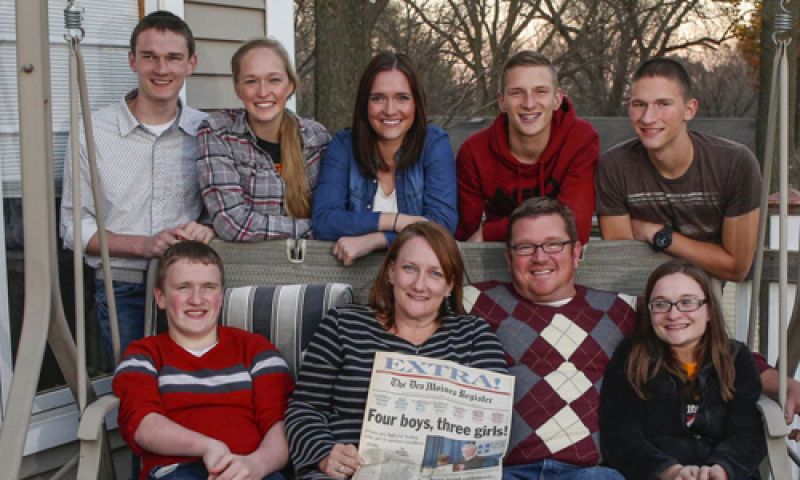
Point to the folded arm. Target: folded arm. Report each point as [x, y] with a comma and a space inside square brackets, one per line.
[729, 261]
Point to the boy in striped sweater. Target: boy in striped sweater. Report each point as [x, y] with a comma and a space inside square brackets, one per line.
[202, 400]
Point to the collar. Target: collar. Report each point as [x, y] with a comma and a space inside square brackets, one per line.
[128, 121]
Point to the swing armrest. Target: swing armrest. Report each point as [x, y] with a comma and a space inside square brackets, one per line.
[94, 417]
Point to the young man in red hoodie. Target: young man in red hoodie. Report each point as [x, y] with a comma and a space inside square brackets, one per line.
[536, 147]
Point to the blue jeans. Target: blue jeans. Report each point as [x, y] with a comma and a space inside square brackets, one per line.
[553, 470]
[191, 471]
[130, 299]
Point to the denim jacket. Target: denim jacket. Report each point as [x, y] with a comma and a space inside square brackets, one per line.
[343, 199]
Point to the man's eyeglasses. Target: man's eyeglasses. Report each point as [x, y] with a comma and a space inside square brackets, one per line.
[683, 305]
[552, 246]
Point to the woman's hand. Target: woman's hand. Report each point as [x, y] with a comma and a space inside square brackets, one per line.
[693, 472]
[342, 462]
[349, 249]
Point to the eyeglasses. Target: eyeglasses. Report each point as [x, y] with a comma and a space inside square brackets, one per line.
[551, 246]
[683, 305]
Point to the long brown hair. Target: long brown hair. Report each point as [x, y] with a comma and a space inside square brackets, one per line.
[365, 142]
[381, 297]
[293, 171]
[651, 356]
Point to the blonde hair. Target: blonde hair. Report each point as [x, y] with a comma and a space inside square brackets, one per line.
[293, 172]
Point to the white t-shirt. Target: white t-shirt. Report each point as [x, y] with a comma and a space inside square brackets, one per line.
[160, 128]
[385, 203]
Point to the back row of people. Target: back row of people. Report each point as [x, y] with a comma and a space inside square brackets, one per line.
[266, 173]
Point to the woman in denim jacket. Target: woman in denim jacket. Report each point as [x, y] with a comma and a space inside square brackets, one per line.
[679, 399]
[259, 164]
[389, 170]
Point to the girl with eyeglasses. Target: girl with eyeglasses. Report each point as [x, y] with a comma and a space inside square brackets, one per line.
[679, 399]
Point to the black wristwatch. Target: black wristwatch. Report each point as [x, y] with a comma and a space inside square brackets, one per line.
[662, 239]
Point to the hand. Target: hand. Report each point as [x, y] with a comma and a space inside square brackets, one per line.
[477, 236]
[792, 403]
[238, 467]
[349, 249]
[693, 472]
[644, 231]
[154, 246]
[404, 220]
[215, 455]
[197, 231]
[342, 462]
[714, 472]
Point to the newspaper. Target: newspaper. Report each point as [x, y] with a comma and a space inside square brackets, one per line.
[429, 419]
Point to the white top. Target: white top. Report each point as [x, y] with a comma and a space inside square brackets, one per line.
[159, 129]
[149, 182]
[385, 203]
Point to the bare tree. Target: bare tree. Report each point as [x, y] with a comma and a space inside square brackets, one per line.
[304, 55]
[479, 34]
[597, 43]
[343, 32]
[724, 85]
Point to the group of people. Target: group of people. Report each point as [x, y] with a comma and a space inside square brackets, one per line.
[203, 401]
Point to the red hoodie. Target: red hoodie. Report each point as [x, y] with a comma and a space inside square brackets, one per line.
[492, 181]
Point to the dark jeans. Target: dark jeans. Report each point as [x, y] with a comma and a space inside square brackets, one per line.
[130, 298]
[553, 470]
[191, 471]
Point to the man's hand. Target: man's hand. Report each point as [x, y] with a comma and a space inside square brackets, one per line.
[215, 455]
[477, 236]
[197, 231]
[349, 249]
[342, 462]
[644, 231]
[155, 245]
[238, 467]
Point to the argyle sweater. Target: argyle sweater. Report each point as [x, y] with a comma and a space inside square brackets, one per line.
[558, 355]
[234, 392]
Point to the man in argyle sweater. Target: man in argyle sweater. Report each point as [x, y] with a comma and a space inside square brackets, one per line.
[558, 338]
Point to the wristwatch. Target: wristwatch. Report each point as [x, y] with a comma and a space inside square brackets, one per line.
[662, 239]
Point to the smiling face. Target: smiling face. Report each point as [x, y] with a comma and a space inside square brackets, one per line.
[418, 282]
[660, 113]
[469, 450]
[530, 97]
[391, 108]
[191, 293]
[543, 277]
[263, 86]
[162, 63]
[682, 331]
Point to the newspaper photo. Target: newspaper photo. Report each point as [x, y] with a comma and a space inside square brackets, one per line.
[434, 419]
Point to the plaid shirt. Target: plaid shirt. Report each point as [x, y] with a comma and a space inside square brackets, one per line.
[242, 190]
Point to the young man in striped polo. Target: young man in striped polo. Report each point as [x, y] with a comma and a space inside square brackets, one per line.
[202, 399]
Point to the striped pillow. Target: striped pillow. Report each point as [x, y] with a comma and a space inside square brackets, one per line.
[286, 314]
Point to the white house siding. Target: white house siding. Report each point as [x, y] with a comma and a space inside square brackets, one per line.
[219, 28]
[109, 77]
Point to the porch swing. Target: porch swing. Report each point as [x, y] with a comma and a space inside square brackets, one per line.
[614, 265]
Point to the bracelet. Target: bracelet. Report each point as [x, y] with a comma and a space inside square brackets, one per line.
[394, 225]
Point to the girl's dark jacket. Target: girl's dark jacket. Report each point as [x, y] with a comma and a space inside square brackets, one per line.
[642, 438]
